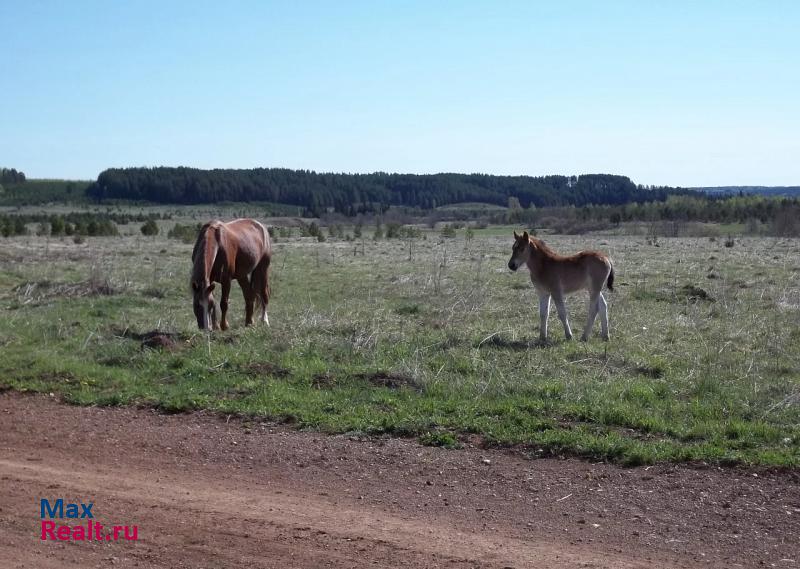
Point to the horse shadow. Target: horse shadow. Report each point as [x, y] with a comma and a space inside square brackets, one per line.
[502, 343]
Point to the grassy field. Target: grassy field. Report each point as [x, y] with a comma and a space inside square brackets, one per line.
[432, 339]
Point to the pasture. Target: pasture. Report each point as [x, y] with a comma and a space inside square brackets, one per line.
[430, 338]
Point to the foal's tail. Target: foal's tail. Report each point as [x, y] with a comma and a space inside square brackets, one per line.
[610, 280]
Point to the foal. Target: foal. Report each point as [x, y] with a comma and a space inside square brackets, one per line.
[239, 250]
[554, 276]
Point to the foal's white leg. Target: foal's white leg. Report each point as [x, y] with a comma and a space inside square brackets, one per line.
[562, 314]
[603, 307]
[544, 312]
[264, 317]
[594, 300]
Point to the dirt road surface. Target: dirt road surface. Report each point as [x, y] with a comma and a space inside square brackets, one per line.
[209, 493]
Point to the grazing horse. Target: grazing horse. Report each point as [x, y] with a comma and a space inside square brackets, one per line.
[554, 276]
[240, 250]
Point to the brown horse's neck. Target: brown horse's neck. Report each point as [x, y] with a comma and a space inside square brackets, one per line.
[540, 246]
[204, 253]
[540, 253]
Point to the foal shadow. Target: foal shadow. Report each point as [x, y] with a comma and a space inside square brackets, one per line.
[499, 342]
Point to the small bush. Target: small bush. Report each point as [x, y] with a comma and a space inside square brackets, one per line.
[185, 233]
[149, 228]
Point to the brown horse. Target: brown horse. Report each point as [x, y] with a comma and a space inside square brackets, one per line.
[239, 250]
[554, 276]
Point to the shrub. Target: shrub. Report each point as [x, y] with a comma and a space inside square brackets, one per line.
[149, 228]
[185, 233]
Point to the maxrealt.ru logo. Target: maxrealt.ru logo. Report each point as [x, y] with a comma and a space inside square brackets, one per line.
[90, 531]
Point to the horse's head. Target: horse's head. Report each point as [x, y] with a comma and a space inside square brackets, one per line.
[520, 252]
[203, 303]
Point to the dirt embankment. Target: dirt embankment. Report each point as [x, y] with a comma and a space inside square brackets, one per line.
[209, 493]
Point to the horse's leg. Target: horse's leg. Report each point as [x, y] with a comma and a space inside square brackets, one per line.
[212, 314]
[265, 296]
[594, 301]
[223, 303]
[261, 286]
[602, 305]
[562, 314]
[249, 300]
[544, 312]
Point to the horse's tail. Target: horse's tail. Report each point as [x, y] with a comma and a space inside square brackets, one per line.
[610, 280]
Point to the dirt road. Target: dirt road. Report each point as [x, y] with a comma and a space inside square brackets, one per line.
[208, 493]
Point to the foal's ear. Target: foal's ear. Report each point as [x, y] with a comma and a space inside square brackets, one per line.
[525, 236]
[515, 235]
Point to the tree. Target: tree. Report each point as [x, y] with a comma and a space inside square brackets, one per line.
[11, 176]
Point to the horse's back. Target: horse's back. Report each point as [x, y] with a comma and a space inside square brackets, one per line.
[247, 244]
[587, 269]
[250, 233]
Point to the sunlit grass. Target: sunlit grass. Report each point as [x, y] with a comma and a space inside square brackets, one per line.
[437, 341]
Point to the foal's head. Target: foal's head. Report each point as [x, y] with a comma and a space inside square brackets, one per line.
[520, 252]
[203, 304]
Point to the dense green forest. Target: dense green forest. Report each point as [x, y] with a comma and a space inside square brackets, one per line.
[37, 192]
[565, 203]
[358, 193]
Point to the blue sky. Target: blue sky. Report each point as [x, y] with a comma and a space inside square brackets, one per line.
[678, 93]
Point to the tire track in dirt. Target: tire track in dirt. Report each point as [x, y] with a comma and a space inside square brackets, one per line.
[221, 513]
[206, 493]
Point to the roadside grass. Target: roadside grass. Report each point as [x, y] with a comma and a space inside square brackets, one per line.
[441, 345]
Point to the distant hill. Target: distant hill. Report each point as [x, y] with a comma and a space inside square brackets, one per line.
[789, 191]
[353, 193]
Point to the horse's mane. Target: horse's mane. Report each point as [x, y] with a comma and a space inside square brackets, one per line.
[542, 246]
[200, 241]
[198, 252]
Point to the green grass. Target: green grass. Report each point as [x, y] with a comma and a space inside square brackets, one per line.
[440, 347]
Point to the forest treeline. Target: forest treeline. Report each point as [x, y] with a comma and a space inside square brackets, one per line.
[761, 214]
[351, 194]
[11, 176]
[38, 192]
